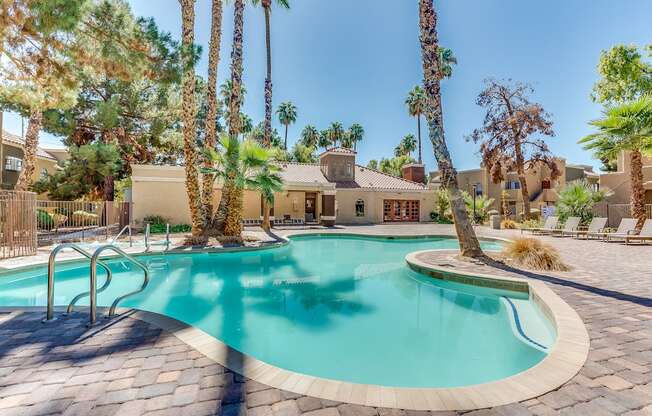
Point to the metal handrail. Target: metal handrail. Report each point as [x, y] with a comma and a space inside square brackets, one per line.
[125, 228]
[51, 263]
[167, 236]
[93, 279]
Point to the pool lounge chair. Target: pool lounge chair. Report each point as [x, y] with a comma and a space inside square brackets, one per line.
[570, 226]
[596, 226]
[548, 227]
[644, 235]
[626, 227]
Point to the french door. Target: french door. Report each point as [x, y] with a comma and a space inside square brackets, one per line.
[396, 210]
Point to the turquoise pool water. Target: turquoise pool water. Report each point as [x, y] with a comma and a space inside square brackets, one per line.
[344, 308]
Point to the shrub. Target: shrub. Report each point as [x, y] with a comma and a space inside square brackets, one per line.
[44, 220]
[440, 219]
[533, 223]
[482, 207]
[508, 224]
[155, 219]
[84, 218]
[531, 253]
[577, 200]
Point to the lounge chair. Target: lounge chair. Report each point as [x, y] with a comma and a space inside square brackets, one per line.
[596, 226]
[644, 235]
[625, 228]
[548, 227]
[570, 226]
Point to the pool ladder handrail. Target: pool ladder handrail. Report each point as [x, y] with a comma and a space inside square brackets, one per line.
[125, 228]
[93, 279]
[49, 316]
[165, 243]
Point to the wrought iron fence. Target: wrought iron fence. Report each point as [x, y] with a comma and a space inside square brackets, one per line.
[64, 221]
[616, 212]
[17, 224]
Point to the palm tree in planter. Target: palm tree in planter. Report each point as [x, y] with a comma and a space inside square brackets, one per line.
[249, 165]
[267, 7]
[287, 114]
[432, 76]
[356, 134]
[627, 127]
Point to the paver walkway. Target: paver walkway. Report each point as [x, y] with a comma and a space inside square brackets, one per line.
[128, 367]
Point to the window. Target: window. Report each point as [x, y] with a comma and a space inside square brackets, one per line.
[359, 208]
[349, 168]
[512, 185]
[478, 189]
[13, 163]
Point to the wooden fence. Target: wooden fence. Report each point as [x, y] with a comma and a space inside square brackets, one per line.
[17, 224]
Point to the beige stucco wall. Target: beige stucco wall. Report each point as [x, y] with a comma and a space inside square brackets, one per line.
[619, 184]
[346, 199]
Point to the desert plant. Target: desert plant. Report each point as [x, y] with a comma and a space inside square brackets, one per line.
[44, 220]
[482, 207]
[531, 253]
[532, 223]
[508, 225]
[577, 199]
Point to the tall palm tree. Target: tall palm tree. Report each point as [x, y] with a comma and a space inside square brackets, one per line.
[31, 147]
[432, 76]
[228, 219]
[356, 134]
[268, 182]
[310, 136]
[267, 7]
[189, 116]
[287, 114]
[415, 102]
[226, 89]
[211, 112]
[325, 139]
[407, 146]
[336, 133]
[627, 127]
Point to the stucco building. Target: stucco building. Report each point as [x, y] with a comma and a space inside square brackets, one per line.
[334, 191]
[619, 184]
[13, 154]
[541, 187]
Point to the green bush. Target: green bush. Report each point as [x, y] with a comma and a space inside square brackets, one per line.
[155, 219]
[158, 228]
[44, 220]
[534, 223]
[577, 199]
[434, 215]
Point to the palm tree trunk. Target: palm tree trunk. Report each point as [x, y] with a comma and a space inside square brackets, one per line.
[286, 137]
[31, 146]
[268, 81]
[211, 114]
[469, 245]
[419, 135]
[266, 225]
[229, 213]
[189, 116]
[638, 191]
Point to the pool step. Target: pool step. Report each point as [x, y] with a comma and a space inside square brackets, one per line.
[526, 324]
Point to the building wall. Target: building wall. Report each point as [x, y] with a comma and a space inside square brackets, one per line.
[338, 167]
[619, 184]
[10, 177]
[346, 199]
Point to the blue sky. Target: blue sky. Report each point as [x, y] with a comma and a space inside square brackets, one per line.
[354, 61]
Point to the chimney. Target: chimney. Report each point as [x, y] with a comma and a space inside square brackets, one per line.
[415, 172]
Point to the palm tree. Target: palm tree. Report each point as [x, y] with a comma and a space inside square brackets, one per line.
[325, 139]
[356, 134]
[432, 76]
[415, 102]
[407, 146]
[627, 127]
[189, 118]
[31, 147]
[336, 133]
[226, 89]
[249, 165]
[211, 98]
[229, 212]
[287, 114]
[310, 136]
[446, 62]
[267, 7]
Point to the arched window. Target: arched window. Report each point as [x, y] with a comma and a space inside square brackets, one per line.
[359, 208]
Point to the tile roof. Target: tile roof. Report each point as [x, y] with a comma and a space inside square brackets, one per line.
[12, 138]
[340, 150]
[365, 178]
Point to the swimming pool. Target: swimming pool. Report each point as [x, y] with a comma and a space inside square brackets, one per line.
[338, 307]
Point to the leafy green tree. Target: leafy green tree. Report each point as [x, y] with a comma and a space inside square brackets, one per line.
[372, 164]
[82, 175]
[257, 133]
[624, 75]
[394, 166]
[287, 114]
[433, 72]
[577, 199]
[627, 127]
[310, 136]
[36, 65]
[301, 153]
[267, 8]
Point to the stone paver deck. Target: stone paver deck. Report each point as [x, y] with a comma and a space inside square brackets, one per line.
[127, 366]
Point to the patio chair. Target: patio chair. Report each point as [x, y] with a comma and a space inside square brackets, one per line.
[570, 226]
[596, 226]
[626, 227]
[644, 235]
[549, 226]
